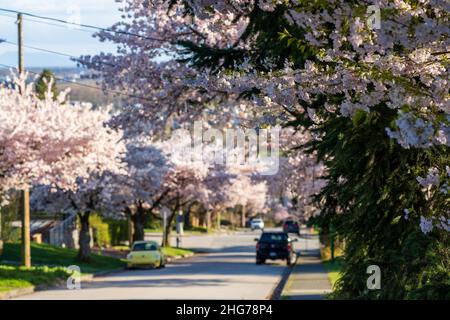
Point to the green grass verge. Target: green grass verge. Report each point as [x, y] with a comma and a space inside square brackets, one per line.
[333, 268]
[46, 255]
[121, 248]
[172, 252]
[13, 277]
[49, 265]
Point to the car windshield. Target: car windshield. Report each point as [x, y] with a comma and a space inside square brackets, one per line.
[274, 237]
[257, 220]
[145, 247]
[289, 222]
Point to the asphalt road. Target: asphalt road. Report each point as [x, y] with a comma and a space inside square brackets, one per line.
[226, 270]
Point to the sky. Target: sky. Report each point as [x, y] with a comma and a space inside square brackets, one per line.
[61, 38]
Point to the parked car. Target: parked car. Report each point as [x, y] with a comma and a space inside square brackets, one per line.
[257, 223]
[275, 245]
[145, 254]
[291, 226]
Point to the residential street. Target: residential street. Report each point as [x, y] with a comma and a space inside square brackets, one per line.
[226, 271]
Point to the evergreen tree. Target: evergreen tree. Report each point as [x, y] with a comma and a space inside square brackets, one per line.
[44, 80]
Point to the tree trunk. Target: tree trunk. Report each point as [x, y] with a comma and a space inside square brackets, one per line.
[219, 218]
[130, 230]
[243, 217]
[84, 237]
[201, 218]
[208, 220]
[139, 219]
[166, 237]
[187, 217]
[130, 225]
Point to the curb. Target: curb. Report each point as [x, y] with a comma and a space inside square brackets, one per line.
[284, 293]
[287, 285]
[16, 293]
[283, 284]
[57, 285]
[29, 290]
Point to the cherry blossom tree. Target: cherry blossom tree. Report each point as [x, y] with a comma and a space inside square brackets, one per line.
[138, 191]
[54, 142]
[150, 68]
[249, 195]
[82, 201]
[216, 183]
[184, 181]
[50, 141]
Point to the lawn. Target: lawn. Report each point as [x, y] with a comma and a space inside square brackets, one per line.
[13, 277]
[172, 252]
[333, 268]
[49, 263]
[46, 255]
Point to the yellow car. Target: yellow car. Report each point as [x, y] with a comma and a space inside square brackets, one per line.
[144, 254]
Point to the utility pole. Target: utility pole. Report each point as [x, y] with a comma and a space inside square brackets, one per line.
[26, 250]
[20, 41]
[219, 220]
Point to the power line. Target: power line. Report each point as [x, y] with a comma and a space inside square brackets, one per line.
[84, 85]
[43, 22]
[74, 58]
[56, 25]
[89, 26]
[47, 23]
[41, 49]
[7, 15]
[68, 55]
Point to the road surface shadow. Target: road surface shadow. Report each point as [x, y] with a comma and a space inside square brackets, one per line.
[234, 249]
[232, 261]
[144, 283]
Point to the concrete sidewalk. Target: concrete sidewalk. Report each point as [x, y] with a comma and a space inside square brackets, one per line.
[309, 279]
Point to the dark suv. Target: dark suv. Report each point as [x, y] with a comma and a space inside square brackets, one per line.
[275, 245]
[291, 226]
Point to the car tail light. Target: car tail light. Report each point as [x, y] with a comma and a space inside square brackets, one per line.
[257, 246]
[289, 247]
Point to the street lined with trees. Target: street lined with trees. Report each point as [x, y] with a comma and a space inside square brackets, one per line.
[359, 90]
